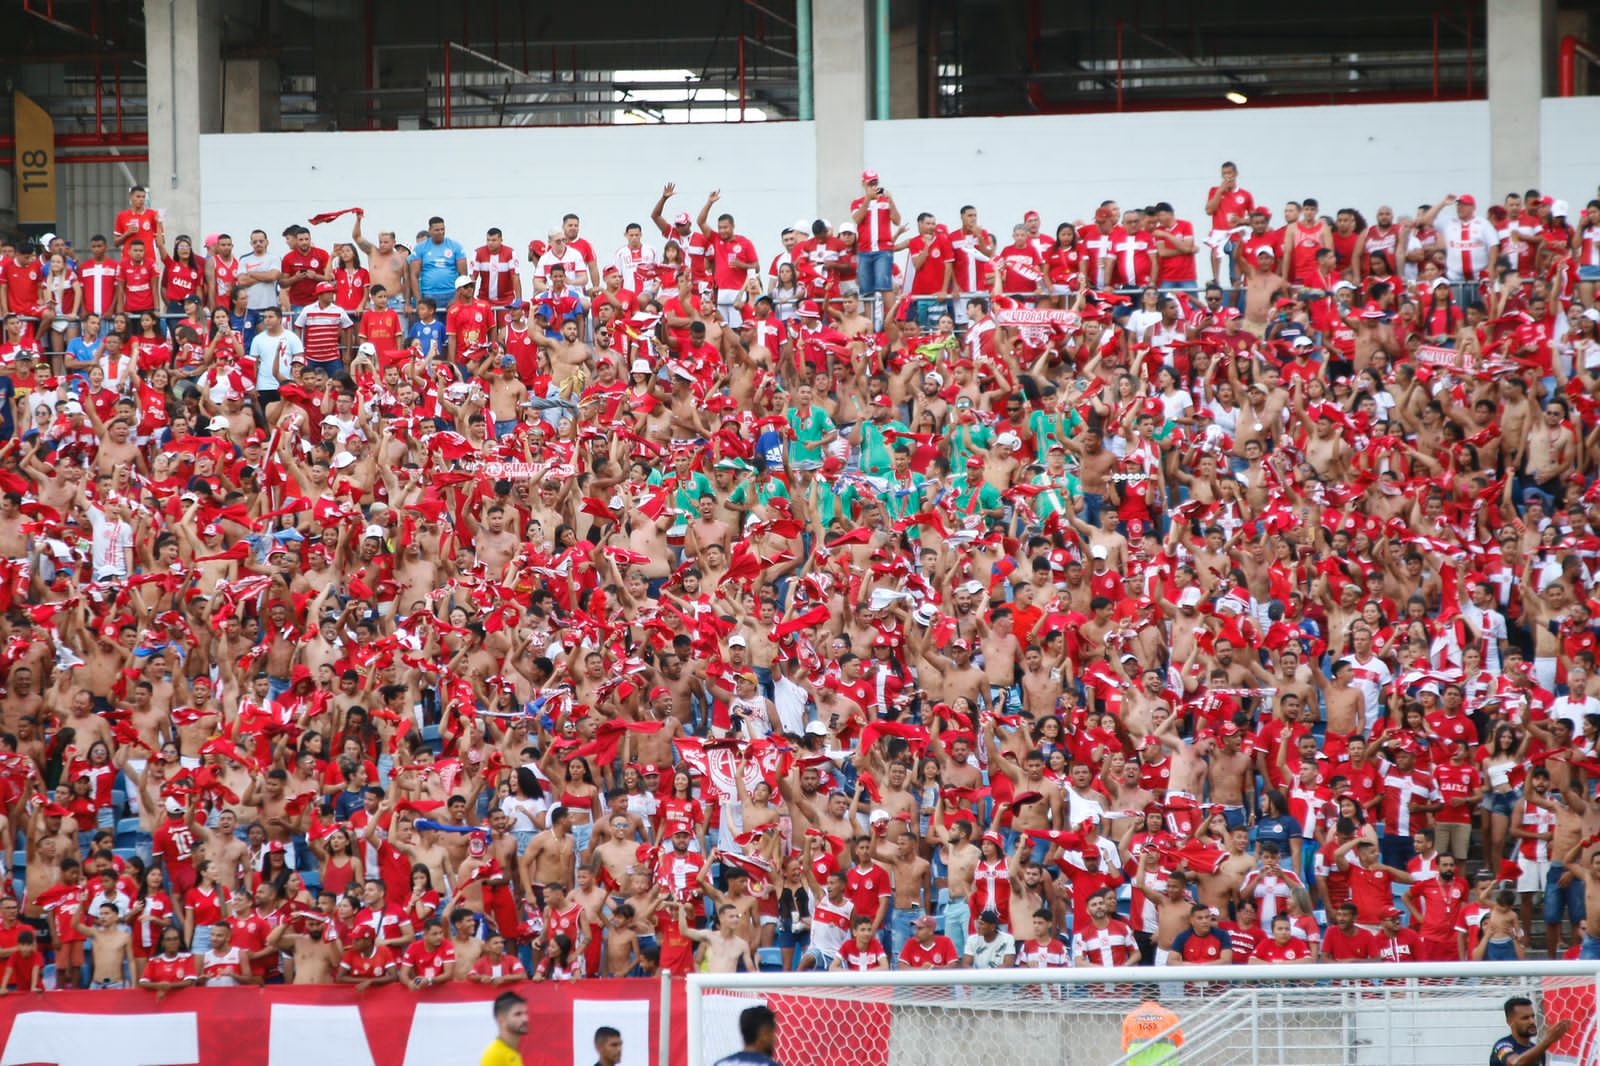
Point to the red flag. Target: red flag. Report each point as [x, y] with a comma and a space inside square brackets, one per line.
[329, 216]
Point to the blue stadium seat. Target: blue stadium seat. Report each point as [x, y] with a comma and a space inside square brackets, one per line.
[119, 801]
[430, 737]
[19, 859]
[312, 879]
[770, 960]
[123, 853]
[126, 828]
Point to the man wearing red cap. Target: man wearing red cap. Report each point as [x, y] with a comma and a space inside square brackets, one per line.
[1471, 248]
[326, 330]
[877, 217]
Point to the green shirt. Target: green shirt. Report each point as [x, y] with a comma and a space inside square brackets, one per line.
[762, 493]
[876, 457]
[809, 430]
[686, 492]
[981, 436]
[836, 503]
[1048, 429]
[1059, 490]
[988, 497]
[903, 498]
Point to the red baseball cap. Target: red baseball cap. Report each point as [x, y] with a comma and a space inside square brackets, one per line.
[1468, 199]
[869, 176]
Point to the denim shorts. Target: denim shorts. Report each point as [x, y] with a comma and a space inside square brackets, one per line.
[1502, 802]
[1589, 273]
[874, 271]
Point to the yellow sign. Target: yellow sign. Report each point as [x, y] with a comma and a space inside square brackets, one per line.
[35, 164]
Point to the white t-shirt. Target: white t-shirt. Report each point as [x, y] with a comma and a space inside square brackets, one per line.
[1574, 710]
[266, 350]
[990, 954]
[262, 294]
[1491, 626]
[111, 541]
[789, 700]
[522, 811]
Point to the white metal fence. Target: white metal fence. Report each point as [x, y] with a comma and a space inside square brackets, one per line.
[1428, 1014]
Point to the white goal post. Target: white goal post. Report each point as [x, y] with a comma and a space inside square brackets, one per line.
[1430, 1014]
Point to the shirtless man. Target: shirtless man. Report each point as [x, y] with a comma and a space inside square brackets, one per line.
[615, 849]
[621, 943]
[960, 857]
[571, 360]
[550, 858]
[1228, 773]
[385, 263]
[1041, 684]
[1221, 888]
[112, 949]
[1172, 906]
[725, 950]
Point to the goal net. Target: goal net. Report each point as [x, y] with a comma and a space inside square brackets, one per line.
[1418, 1013]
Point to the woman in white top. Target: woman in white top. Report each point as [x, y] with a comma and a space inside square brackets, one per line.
[1146, 315]
[526, 806]
[1177, 404]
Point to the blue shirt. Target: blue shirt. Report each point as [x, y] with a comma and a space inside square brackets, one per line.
[1279, 830]
[8, 393]
[439, 273]
[245, 326]
[83, 351]
[1507, 1049]
[424, 332]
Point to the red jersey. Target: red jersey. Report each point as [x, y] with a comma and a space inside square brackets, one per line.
[1180, 266]
[180, 281]
[928, 280]
[138, 286]
[1244, 940]
[1201, 950]
[875, 231]
[139, 225]
[504, 966]
[304, 292]
[1401, 946]
[938, 953]
[1372, 891]
[1354, 946]
[1296, 950]
[1113, 945]
[469, 323]
[174, 841]
[224, 272]
[496, 272]
[431, 963]
[382, 328]
[320, 331]
[99, 278]
[350, 288]
[1039, 954]
[354, 964]
[723, 255]
[867, 958]
[1304, 244]
[1441, 905]
[1100, 253]
[865, 888]
[1023, 269]
[1400, 790]
[166, 969]
[22, 286]
[1455, 783]
[1233, 208]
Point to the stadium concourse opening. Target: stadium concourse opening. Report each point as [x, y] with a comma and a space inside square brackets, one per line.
[791, 518]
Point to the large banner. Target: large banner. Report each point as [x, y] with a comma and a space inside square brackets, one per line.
[321, 1025]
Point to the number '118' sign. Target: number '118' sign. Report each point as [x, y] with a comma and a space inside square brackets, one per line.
[35, 163]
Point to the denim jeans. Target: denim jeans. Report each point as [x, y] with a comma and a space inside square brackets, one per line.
[1561, 902]
[956, 913]
[900, 919]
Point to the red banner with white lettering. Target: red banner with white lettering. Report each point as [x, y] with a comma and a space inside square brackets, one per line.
[312, 1025]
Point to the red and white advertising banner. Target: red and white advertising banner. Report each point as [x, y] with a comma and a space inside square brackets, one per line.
[323, 1025]
[1446, 358]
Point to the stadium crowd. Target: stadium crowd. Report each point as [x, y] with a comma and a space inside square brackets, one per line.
[899, 595]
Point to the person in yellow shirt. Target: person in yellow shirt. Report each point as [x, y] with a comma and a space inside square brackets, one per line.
[511, 1016]
[1152, 1031]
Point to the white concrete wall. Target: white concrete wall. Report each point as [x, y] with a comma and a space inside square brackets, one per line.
[522, 180]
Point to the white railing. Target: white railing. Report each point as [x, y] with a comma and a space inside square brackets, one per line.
[1430, 1014]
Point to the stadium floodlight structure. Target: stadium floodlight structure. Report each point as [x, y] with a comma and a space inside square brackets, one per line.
[1429, 1014]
